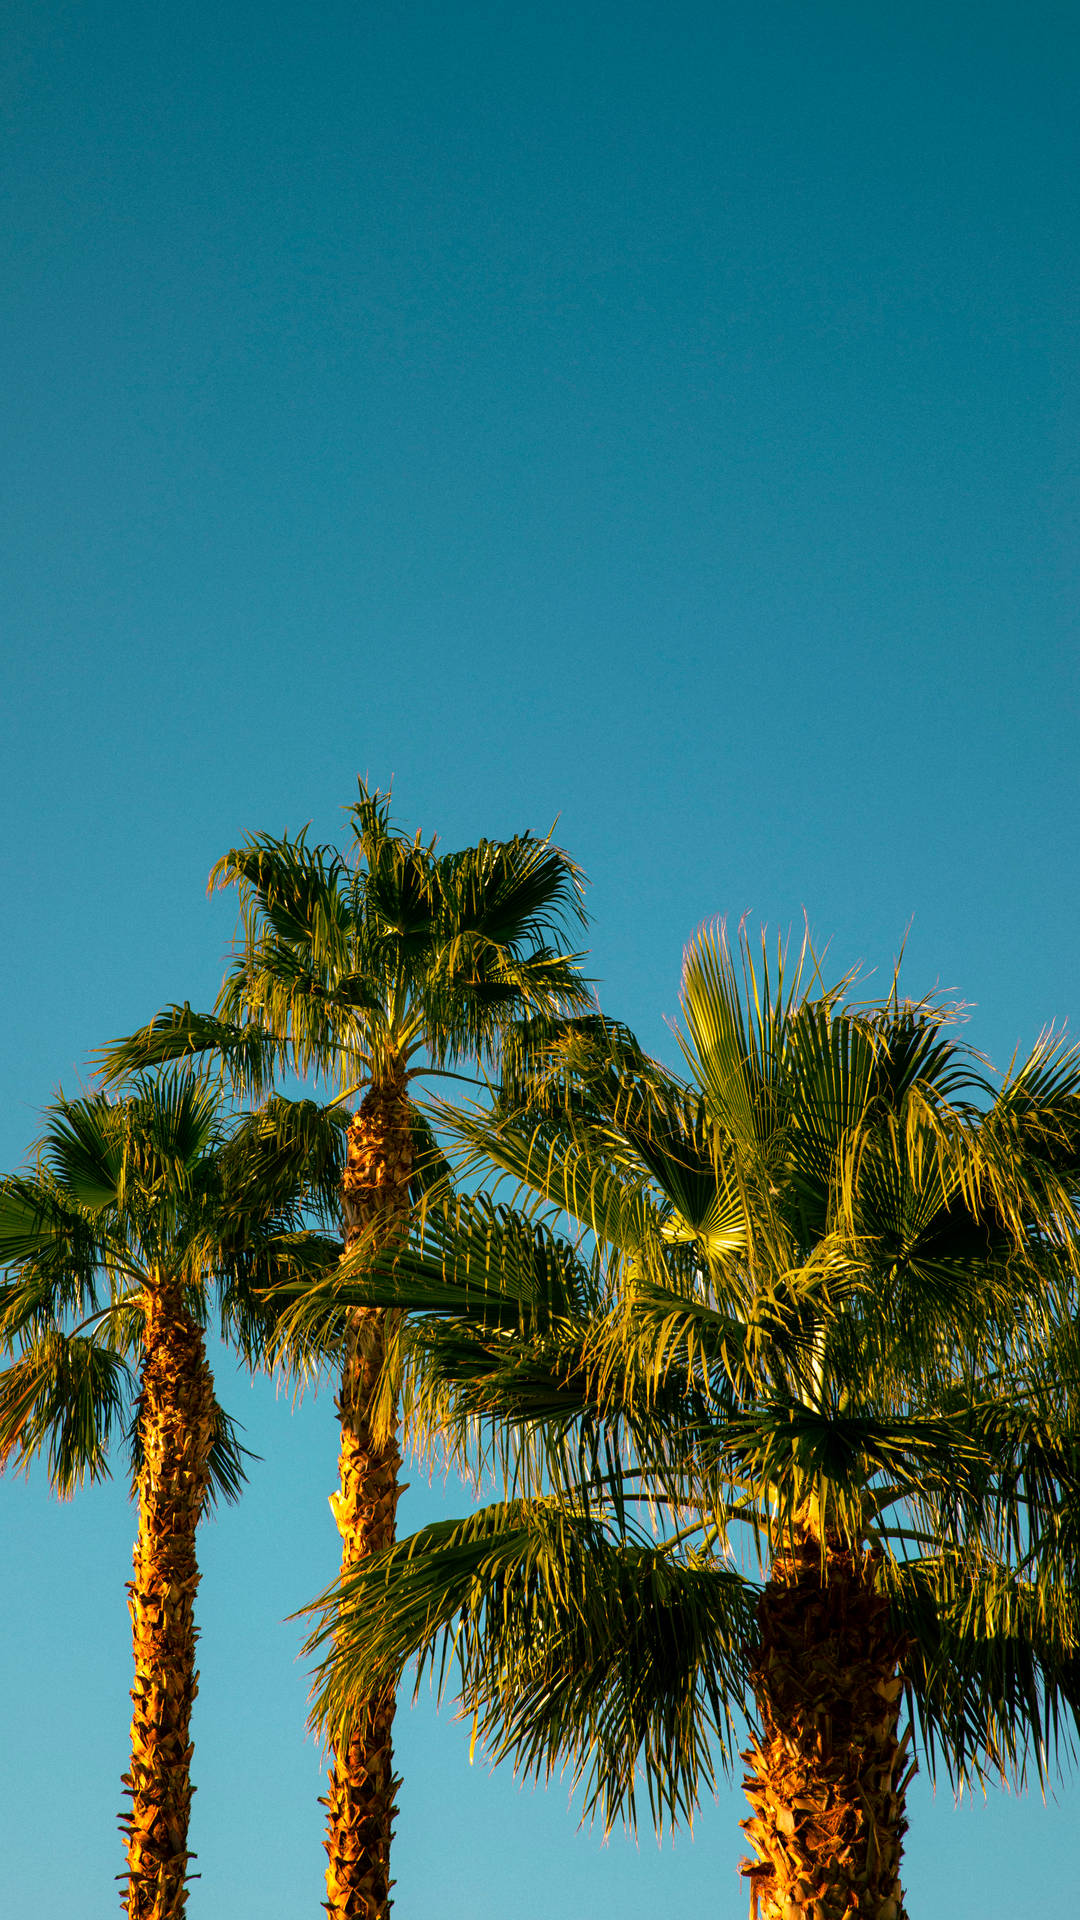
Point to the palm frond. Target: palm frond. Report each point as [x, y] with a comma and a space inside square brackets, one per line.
[63, 1397]
[565, 1065]
[54, 1248]
[246, 1051]
[992, 1668]
[513, 893]
[570, 1646]
[291, 1154]
[566, 1170]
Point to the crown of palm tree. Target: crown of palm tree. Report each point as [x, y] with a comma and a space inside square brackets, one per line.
[391, 959]
[141, 1211]
[158, 1182]
[824, 1287]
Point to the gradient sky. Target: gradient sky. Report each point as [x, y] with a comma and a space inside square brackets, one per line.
[659, 416]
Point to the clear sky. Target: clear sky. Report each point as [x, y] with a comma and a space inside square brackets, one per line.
[659, 416]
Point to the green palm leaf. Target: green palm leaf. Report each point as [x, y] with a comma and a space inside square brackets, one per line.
[64, 1397]
[569, 1643]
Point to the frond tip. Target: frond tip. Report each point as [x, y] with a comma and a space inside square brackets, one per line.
[569, 1644]
[63, 1397]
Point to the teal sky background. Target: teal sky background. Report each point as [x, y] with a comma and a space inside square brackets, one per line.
[659, 416]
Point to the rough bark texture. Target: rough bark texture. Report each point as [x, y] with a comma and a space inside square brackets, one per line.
[826, 1771]
[176, 1427]
[362, 1785]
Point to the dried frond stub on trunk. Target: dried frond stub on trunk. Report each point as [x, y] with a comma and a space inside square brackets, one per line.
[826, 1773]
[362, 1787]
[177, 1424]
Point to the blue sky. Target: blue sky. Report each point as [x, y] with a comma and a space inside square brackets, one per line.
[662, 417]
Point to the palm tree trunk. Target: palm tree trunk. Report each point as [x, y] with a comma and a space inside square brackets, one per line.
[826, 1775]
[176, 1424]
[362, 1785]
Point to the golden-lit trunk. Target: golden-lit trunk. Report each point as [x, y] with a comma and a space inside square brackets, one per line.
[362, 1784]
[827, 1773]
[176, 1421]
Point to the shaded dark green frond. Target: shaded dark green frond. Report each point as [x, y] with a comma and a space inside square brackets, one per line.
[135, 1161]
[395, 1604]
[277, 1302]
[63, 1398]
[758, 1342]
[1033, 1444]
[564, 1065]
[644, 1684]
[432, 1176]
[245, 1050]
[920, 1055]
[472, 989]
[470, 1263]
[55, 1248]
[297, 889]
[473, 1256]
[321, 1021]
[83, 1148]
[514, 893]
[492, 977]
[618, 1657]
[993, 1667]
[174, 1122]
[286, 1154]
[402, 899]
[844, 1467]
[671, 1134]
[467, 1379]
[541, 1414]
[827, 1082]
[226, 1463]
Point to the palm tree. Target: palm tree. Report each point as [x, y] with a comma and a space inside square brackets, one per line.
[373, 970]
[140, 1208]
[822, 1297]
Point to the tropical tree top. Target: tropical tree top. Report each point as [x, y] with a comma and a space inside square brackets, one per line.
[155, 1188]
[380, 962]
[823, 1288]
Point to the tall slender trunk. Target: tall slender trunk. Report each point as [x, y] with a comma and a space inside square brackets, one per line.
[176, 1422]
[360, 1800]
[826, 1769]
